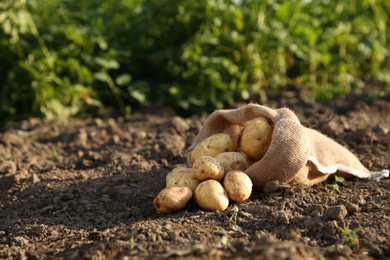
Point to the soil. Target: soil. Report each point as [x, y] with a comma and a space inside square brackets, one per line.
[84, 189]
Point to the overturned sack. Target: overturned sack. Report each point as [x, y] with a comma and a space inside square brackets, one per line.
[297, 155]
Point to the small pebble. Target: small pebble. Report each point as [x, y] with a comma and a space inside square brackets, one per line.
[180, 124]
[116, 139]
[34, 178]
[99, 122]
[7, 167]
[337, 212]
[54, 233]
[82, 137]
[359, 200]
[140, 135]
[351, 207]
[21, 241]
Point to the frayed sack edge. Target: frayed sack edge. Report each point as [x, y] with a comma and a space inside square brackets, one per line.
[332, 169]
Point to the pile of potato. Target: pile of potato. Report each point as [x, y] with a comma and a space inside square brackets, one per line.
[218, 169]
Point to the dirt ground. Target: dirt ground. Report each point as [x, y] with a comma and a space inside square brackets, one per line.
[84, 190]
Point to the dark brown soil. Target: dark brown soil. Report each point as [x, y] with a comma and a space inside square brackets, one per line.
[84, 189]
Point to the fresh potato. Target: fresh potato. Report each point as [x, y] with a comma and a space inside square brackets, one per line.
[256, 138]
[182, 176]
[214, 145]
[210, 195]
[206, 167]
[232, 161]
[172, 199]
[238, 186]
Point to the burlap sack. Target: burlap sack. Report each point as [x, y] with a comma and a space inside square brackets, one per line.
[297, 155]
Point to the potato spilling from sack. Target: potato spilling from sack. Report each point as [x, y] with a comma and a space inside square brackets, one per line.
[256, 138]
[211, 195]
[172, 199]
[238, 186]
[183, 177]
[232, 161]
[218, 170]
[214, 145]
[206, 167]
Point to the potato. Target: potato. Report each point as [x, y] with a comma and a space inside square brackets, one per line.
[256, 138]
[232, 161]
[210, 195]
[206, 167]
[238, 186]
[214, 145]
[182, 176]
[172, 199]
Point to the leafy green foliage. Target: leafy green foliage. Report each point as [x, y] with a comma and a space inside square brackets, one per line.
[61, 58]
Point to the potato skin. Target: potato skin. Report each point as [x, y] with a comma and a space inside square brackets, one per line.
[211, 195]
[172, 199]
[232, 161]
[206, 167]
[214, 145]
[182, 176]
[237, 185]
[256, 138]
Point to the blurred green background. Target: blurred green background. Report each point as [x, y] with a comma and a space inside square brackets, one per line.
[62, 58]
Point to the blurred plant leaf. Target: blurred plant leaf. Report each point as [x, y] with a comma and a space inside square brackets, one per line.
[123, 79]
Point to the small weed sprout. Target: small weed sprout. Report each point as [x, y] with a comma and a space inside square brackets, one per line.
[337, 182]
[350, 237]
[132, 244]
[54, 154]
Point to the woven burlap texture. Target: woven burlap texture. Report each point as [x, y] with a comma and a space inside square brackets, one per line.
[297, 155]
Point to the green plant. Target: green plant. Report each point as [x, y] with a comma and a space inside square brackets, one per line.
[350, 238]
[132, 244]
[62, 58]
[338, 180]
